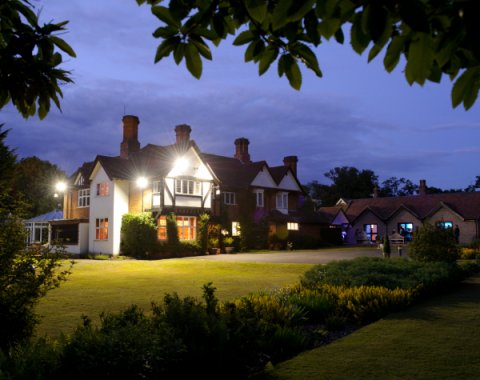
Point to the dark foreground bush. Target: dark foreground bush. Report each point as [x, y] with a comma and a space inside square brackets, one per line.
[179, 339]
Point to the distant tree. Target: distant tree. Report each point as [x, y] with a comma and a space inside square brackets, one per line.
[35, 179]
[432, 37]
[394, 187]
[347, 182]
[30, 77]
[475, 186]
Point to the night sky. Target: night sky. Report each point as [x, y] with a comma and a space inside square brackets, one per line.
[356, 115]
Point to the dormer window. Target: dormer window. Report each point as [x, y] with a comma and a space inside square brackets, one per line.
[188, 187]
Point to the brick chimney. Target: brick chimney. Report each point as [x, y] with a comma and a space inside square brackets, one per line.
[291, 162]
[182, 132]
[422, 189]
[375, 192]
[130, 142]
[241, 150]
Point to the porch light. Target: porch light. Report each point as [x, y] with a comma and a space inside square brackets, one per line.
[142, 182]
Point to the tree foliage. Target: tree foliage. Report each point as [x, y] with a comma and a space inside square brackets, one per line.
[394, 187]
[26, 274]
[30, 77]
[35, 180]
[433, 37]
[347, 182]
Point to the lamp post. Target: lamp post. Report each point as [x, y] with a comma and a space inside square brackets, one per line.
[142, 183]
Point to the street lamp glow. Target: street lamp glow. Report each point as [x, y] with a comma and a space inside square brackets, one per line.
[142, 182]
[60, 186]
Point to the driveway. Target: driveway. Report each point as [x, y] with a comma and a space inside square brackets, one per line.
[322, 256]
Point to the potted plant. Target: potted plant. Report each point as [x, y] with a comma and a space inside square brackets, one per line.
[228, 241]
[213, 246]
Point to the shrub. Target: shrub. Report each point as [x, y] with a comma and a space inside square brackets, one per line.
[391, 274]
[387, 249]
[365, 304]
[138, 235]
[202, 238]
[432, 243]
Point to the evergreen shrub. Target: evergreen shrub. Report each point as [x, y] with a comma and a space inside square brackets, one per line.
[138, 235]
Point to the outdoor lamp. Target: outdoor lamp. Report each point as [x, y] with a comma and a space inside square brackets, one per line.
[180, 165]
[142, 182]
[60, 187]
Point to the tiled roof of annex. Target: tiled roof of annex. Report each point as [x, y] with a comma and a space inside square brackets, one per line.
[467, 205]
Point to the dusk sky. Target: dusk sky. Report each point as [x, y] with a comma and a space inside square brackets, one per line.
[356, 115]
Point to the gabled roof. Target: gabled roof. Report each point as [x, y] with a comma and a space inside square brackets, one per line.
[329, 213]
[466, 205]
[156, 161]
[82, 172]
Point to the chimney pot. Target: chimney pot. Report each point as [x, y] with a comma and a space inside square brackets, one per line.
[182, 132]
[130, 142]
[241, 150]
[291, 162]
[422, 189]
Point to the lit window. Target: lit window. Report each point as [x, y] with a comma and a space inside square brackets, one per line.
[282, 201]
[162, 228]
[292, 226]
[406, 230]
[235, 229]
[371, 231]
[188, 187]
[229, 198]
[259, 201]
[445, 225]
[101, 229]
[102, 189]
[81, 181]
[84, 198]
[187, 227]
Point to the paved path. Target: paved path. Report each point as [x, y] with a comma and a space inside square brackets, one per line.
[322, 256]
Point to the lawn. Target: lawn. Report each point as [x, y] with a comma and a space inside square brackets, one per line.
[437, 339]
[97, 286]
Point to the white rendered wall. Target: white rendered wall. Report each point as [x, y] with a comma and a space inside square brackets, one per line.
[100, 207]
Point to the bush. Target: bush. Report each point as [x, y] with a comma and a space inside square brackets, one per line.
[138, 235]
[391, 274]
[365, 304]
[387, 249]
[433, 243]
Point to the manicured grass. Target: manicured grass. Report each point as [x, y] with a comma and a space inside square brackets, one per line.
[97, 286]
[437, 339]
